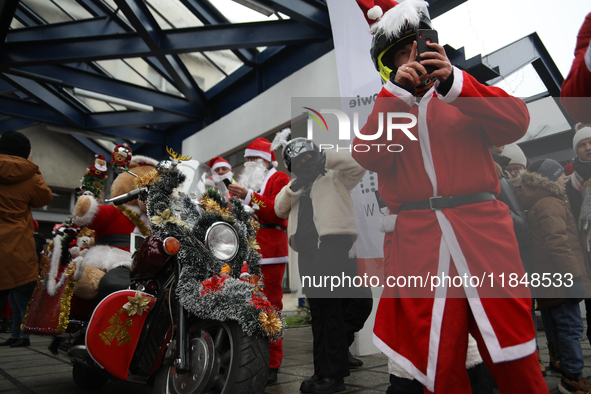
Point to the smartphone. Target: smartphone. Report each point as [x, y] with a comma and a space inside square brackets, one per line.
[423, 37]
[227, 182]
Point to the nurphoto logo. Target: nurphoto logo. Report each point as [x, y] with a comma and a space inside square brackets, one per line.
[395, 122]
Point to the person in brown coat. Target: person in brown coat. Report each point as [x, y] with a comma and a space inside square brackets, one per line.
[557, 258]
[21, 187]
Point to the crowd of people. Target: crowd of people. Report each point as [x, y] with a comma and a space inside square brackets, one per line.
[502, 215]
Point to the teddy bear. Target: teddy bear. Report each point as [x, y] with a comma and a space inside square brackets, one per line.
[105, 267]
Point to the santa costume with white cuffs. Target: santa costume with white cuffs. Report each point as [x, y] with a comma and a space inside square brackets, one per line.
[425, 329]
[114, 227]
[271, 236]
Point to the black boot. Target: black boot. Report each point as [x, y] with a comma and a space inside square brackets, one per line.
[9, 341]
[21, 342]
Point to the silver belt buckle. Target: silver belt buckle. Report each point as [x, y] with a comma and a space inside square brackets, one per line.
[431, 202]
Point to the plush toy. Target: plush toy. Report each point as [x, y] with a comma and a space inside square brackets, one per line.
[114, 227]
[121, 158]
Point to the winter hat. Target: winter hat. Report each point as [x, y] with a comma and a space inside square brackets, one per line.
[391, 17]
[582, 134]
[35, 226]
[218, 162]
[548, 168]
[261, 148]
[514, 152]
[15, 144]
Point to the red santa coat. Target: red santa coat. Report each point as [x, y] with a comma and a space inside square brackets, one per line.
[109, 220]
[578, 82]
[273, 242]
[450, 158]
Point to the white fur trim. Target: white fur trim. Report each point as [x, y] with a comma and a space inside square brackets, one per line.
[275, 260]
[88, 217]
[221, 164]
[274, 164]
[375, 12]
[267, 177]
[144, 160]
[257, 153]
[248, 197]
[456, 87]
[472, 359]
[387, 223]
[106, 258]
[394, 21]
[52, 282]
[401, 93]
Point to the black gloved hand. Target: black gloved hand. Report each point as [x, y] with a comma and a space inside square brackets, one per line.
[296, 184]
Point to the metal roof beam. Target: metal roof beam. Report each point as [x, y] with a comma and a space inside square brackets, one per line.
[70, 76]
[206, 38]
[92, 146]
[142, 20]
[46, 97]
[28, 110]
[15, 124]
[105, 120]
[210, 15]
[7, 10]
[306, 13]
[82, 28]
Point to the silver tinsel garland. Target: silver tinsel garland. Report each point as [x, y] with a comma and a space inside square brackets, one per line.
[179, 216]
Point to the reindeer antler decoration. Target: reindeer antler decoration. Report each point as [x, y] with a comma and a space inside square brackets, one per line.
[175, 156]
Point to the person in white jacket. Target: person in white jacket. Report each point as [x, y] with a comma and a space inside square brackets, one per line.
[322, 230]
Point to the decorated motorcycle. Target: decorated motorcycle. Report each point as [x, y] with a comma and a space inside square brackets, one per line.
[194, 319]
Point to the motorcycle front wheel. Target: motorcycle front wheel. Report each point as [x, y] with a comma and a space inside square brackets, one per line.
[222, 360]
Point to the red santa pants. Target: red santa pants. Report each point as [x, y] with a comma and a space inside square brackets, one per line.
[273, 279]
[518, 376]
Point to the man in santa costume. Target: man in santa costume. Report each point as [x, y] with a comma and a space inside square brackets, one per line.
[470, 234]
[576, 88]
[222, 172]
[258, 185]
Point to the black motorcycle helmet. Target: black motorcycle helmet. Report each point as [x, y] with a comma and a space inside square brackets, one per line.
[385, 44]
[296, 148]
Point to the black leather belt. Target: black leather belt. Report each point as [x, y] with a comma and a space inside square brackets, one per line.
[118, 240]
[435, 203]
[268, 225]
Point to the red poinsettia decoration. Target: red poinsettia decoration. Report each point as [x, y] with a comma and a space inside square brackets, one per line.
[260, 303]
[213, 285]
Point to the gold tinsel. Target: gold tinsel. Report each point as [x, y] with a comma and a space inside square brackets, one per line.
[209, 204]
[137, 304]
[146, 179]
[255, 225]
[271, 323]
[135, 219]
[252, 243]
[86, 232]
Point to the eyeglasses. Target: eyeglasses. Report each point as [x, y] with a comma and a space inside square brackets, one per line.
[251, 158]
[515, 170]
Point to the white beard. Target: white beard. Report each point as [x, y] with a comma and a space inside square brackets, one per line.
[219, 178]
[253, 175]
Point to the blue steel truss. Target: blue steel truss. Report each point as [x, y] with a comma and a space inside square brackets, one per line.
[41, 62]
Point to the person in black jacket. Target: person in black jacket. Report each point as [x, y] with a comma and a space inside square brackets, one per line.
[578, 192]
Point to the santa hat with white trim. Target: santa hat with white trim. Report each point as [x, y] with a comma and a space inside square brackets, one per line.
[394, 18]
[261, 148]
[393, 25]
[218, 162]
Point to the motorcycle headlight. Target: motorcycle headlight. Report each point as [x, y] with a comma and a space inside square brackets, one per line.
[222, 240]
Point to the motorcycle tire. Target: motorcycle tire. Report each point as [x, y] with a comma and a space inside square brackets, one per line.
[222, 360]
[87, 378]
